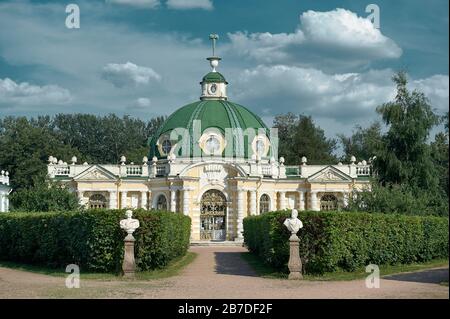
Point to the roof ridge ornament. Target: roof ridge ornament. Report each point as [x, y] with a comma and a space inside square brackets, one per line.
[214, 60]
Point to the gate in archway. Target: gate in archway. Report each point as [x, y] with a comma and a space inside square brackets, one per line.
[213, 215]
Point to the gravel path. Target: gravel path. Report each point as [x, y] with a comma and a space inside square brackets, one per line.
[217, 272]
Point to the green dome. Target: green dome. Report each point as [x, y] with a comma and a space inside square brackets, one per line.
[214, 77]
[218, 114]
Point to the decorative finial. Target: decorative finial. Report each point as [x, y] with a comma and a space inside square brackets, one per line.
[213, 60]
[213, 37]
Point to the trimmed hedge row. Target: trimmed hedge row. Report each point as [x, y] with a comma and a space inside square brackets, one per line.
[92, 239]
[336, 240]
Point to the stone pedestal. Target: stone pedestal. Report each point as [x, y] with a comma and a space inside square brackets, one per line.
[129, 264]
[295, 263]
[129, 225]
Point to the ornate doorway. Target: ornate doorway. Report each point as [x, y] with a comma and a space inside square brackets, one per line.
[213, 215]
[97, 201]
[328, 202]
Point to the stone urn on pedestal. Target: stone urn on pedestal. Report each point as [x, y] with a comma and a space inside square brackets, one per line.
[129, 225]
[294, 224]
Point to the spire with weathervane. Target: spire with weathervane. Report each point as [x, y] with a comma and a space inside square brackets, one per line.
[213, 84]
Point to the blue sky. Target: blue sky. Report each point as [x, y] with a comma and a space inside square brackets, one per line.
[146, 57]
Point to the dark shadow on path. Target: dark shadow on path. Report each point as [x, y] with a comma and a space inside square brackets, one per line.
[434, 276]
[231, 263]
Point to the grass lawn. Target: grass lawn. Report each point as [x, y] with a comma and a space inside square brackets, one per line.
[267, 271]
[172, 269]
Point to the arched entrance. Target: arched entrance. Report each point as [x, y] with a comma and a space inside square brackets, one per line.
[328, 202]
[213, 211]
[97, 201]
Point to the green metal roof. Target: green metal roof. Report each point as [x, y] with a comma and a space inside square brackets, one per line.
[220, 114]
[214, 77]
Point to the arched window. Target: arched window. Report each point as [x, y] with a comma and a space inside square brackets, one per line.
[97, 201]
[161, 203]
[328, 202]
[264, 204]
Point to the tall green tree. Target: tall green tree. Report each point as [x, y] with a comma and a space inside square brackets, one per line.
[404, 155]
[411, 175]
[103, 139]
[299, 136]
[440, 154]
[44, 196]
[25, 144]
[363, 143]
[24, 149]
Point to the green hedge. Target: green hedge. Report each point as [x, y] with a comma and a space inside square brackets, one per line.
[330, 241]
[92, 239]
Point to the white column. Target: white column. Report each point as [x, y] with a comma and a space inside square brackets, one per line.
[144, 200]
[112, 200]
[282, 200]
[2, 201]
[6, 199]
[301, 200]
[240, 213]
[80, 197]
[173, 202]
[123, 200]
[252, 202]
[345, 197]
[186, 201]
[314, 204]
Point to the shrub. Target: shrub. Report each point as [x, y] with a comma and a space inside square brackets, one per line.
[330, 241]
[92, 239]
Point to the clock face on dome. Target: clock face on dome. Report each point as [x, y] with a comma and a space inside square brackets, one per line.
[213, 88]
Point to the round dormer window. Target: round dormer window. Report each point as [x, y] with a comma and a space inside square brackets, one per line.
[212, 142]
[260, 145]
[212, 145]
[166, 146]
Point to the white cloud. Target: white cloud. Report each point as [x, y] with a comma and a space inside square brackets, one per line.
[321, 38]
[24, 94]
[265, 46]
[343, 97]
[129, 73]
[436, 88]
[142, 102]
[137, 3]
[342, 28]
[190, 4]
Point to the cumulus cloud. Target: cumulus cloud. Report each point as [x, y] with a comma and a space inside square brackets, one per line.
[142, 102]
[137, 3]
[342, 28]
[343, 97]
[24, 94]
[128, 74]
[190, 4]
[436, 88]
[334, 35]
[265, 46]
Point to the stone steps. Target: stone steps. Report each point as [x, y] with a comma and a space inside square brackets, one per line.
[196, 243]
